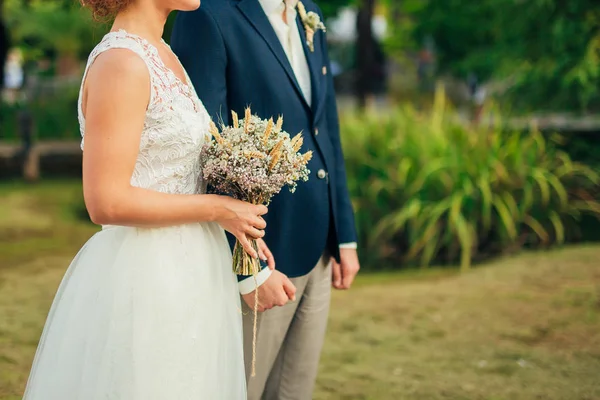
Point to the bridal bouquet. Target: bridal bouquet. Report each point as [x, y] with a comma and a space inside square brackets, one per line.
[252, 160]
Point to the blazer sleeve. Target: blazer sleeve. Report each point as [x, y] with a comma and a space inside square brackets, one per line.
[345, 215]
[198, 42]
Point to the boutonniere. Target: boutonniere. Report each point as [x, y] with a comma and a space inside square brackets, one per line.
[312, 23]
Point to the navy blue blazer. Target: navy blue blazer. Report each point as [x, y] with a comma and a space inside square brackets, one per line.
[234, 59]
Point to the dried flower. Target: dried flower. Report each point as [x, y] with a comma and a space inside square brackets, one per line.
[254, 154]
[306, 157]
[215, 132]
[275, 155]
[268, 130]
[297, 142]
[234, 118]
[247, 120]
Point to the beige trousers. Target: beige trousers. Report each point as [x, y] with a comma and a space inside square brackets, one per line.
[289, 340]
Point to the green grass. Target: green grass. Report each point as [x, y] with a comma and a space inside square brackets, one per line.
[525, 327]
[40, 220]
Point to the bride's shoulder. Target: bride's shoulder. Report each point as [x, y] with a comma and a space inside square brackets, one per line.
[117, 62]
[118, 55]
[117, 84]
[118, 68]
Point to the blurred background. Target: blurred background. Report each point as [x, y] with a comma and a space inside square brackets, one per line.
[472, 142]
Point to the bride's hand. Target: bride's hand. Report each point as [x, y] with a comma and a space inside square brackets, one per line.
[243, 220]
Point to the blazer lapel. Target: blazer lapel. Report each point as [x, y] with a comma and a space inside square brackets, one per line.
[315, 70]
[255, 14]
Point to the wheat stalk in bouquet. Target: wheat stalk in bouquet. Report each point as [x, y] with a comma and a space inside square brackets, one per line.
[252, 160]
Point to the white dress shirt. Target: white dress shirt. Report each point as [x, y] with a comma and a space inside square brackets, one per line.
[291, 41]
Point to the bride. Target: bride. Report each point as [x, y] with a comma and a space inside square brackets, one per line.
[149, 308]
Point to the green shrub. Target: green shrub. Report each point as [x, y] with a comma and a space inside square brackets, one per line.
[583, 147]
[54, 116]
[8, 122]
[428, 188]
[60, 27]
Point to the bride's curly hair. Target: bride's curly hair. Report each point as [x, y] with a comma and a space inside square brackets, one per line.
[103, 9]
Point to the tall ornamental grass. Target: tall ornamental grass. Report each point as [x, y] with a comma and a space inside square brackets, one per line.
[429, 188]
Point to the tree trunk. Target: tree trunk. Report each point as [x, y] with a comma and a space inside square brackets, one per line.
[365, 52]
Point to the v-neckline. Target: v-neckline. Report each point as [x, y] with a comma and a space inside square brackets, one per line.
[185, 83]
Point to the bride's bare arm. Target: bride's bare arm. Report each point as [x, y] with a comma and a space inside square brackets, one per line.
[116, 95]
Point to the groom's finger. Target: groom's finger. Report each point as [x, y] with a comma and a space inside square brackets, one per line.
[289, 288]
[337, 274]
[347, 279]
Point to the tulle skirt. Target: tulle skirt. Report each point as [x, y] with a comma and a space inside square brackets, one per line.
[144, 314]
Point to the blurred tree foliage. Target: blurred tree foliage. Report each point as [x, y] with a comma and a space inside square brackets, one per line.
[330, 8]
[402, 16]
[57, 27]
[547, 51]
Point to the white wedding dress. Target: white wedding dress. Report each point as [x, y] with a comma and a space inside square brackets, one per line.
[148, 314]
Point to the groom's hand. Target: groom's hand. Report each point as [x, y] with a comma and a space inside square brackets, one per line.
[345, 272]
[275, 292]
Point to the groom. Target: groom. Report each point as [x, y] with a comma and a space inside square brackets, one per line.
[257, 53]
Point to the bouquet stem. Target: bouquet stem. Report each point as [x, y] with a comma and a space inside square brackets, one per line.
[243, 263]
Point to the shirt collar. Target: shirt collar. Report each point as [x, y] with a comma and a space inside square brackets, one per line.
[270, 6]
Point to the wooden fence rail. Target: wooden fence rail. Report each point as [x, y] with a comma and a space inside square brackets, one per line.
[29, 162]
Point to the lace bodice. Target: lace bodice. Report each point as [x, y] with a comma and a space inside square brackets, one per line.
[176, 124]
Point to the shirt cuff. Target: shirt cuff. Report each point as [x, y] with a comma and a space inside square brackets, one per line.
[248, 286]
[351, 245]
